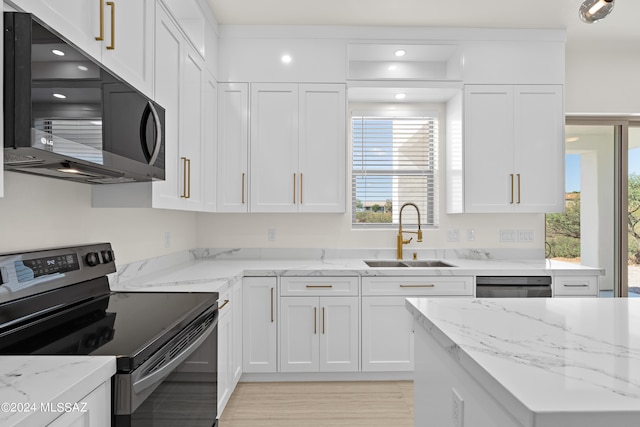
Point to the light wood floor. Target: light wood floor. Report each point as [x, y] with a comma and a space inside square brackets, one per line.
[320, 404]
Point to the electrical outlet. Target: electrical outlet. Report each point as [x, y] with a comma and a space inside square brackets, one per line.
[471, 234]
[167, 239]
[271, 234]
[453, 235]
[457, 409]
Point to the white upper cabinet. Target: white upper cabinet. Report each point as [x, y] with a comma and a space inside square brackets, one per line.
[274, 147]
[118, 33]
[513, 149]
[298, 147]
[233, 147]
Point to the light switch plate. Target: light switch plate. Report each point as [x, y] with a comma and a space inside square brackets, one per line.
[508, 235]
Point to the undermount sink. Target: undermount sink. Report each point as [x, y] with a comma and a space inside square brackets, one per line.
[429, 263]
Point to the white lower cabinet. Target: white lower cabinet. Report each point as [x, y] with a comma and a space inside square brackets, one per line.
[259, 333]
[387, 334]
[225, 349]
[575, 286]
[387, 326]
[95, 410]
[319, 332]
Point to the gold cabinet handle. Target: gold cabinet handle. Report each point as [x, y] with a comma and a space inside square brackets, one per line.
[113, 25]
[518, 188]
[271, 305]
[583, 285]
[319, 286]
[294, 188]
[101, 36]
[511, 187]
[301, 187]
[418, 286]
[223, 304]
[184, 178]
[315, 320]
[189, 181]
[243, 188]
[322, 320]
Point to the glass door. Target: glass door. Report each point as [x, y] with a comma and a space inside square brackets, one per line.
[589, 231]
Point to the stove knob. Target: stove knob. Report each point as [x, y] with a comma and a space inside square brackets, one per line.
[107, 256]
[92, 259]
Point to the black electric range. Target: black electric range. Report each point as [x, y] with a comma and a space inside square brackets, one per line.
[58, 302]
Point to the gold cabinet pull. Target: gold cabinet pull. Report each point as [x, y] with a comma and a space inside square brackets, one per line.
[271, 305]
[322, 320]
[184, 178]
[243, 188]
[315, 320]
[511, 187]
[518, 188]
[101, 36]
[319, 286]
[418, 286]
[189, 181]
[223, 304]
[294, 188]
[113, 25]
[301, 187]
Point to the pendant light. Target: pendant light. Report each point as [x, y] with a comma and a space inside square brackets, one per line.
[594, 10]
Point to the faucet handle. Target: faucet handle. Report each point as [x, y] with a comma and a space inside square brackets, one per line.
[406, 242]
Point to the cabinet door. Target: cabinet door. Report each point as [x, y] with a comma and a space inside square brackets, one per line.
[233, 145]
[236, 362]
[387, 334]
[274, 147]
[128, 50]
[76, 20]
[209, 143]
[299, 330]
[97, 413]
[539, 153]
[259, 313]
[168, 74]
[191, 106]
[322, 145]
[338, 332]
[488, 148]
[225, 355]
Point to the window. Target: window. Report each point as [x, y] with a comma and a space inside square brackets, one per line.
[395, 161]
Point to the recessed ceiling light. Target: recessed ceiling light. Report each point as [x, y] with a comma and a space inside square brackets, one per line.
[400, 52]
[57, 52]
[96, 122]
[59, 95]
[286, 59]
[82, 68]
[573, 139]
[401, 95]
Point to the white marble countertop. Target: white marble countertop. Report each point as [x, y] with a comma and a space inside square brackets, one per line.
[28, 384]
[208, 270]
[547, 356]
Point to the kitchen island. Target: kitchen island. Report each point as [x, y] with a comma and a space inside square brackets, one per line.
[527, 362]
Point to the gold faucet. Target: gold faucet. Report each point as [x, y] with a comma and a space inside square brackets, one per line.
[401, 241]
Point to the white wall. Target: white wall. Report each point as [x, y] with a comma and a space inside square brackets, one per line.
[603, 80]
[43, 212]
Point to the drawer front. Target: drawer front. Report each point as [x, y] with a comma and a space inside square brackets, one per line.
[319, 286]
[417, 286]
[576, 285]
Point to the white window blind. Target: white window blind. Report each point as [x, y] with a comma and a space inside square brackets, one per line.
[395, 161]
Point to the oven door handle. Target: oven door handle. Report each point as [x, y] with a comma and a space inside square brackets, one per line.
[160, 374]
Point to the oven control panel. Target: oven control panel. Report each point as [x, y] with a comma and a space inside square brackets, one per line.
[27, 273]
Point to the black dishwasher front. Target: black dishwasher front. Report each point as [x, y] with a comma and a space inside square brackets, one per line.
[513, 286]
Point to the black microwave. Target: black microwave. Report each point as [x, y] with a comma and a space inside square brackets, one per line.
[67, 117]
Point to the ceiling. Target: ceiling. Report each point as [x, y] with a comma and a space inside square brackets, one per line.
[618, 30]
